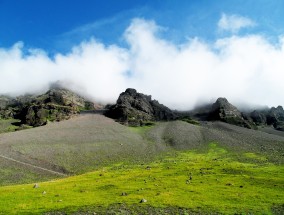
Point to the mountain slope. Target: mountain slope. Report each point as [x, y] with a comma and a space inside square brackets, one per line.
[77, 145]
[89, 141]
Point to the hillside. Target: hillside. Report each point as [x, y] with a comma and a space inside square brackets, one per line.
[89, 141]
[74, 146]
[194, 175]
[170, 162]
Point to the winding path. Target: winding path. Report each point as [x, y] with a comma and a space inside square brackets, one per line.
[36, 167]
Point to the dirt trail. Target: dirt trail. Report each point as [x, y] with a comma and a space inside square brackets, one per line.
[33, 166]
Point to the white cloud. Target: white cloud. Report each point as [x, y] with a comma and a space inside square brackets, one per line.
[234, 23]
[246, 69]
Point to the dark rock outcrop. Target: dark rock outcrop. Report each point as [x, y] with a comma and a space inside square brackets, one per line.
[54, 105]
[258, 117]
[275, 117]
[137, 109]
[269, 117]
[7, 113]
[224, 111]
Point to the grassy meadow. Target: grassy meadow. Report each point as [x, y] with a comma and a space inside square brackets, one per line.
[182, 182]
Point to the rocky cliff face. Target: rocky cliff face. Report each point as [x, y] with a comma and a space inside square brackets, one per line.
[258, 117]
[136, 109]
[54, 105]
[224, 111]
[275, 117]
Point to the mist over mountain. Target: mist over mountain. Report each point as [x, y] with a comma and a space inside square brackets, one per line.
[245, 69]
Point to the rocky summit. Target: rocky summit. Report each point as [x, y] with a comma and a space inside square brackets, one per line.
[224, 111]
[54, 105]
[136, 109]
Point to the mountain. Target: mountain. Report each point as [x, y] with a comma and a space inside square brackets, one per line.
[129, 165]
[132, 108]
[136, 109]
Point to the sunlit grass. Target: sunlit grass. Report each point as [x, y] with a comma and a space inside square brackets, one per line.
[206, 182]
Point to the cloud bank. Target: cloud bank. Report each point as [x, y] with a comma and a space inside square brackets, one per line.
[245, 69]
[234, 23]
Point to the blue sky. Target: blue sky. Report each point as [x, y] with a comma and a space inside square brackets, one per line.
[57, 25]
[182, 52]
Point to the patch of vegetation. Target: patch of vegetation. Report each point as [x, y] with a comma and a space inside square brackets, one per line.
[147, 123]
[190, 120]
[8, 125]
[141, 129]
[178, 183]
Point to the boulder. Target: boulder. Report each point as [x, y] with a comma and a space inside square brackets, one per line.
[143, 200]
[36, 116]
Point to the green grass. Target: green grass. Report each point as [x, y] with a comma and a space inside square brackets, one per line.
[191, 121]
[185, 181]
[7, 126]
[142, 130]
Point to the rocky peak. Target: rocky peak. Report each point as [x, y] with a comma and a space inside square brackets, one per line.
[224, 111]
[55, 105]
[280, 108]
[133, 108]
[63, 97]
[130, 91]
